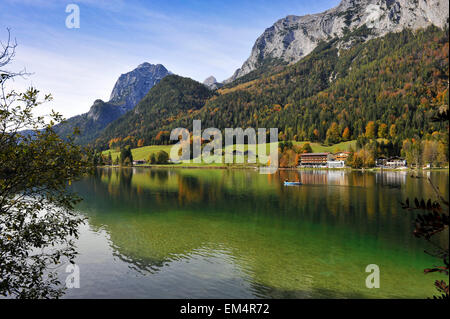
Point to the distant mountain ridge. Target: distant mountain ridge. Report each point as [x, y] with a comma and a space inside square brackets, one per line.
[129, 89]
[293, 37]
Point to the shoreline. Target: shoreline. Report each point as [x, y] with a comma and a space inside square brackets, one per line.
[374, 169]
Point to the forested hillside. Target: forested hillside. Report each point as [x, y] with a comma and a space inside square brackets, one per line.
[397, 82]
[172, 98]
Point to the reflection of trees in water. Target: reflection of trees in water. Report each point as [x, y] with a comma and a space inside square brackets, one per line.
[190, 190]
[160, 175]
[356, 202]
[126, 175]
[150, 222]
[350, 199]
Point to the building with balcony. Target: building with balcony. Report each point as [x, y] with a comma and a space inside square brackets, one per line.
[314, 159]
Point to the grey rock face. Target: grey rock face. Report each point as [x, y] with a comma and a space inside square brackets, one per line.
[103, 113]
[294, 37]
[131, 87]
[212, 83]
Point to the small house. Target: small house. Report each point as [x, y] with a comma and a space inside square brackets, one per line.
[335, 164]
[395, 162]
[341, 156]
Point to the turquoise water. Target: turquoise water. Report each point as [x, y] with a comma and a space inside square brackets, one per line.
[204, 233]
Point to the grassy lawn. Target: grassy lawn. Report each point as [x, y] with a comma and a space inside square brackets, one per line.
[143, 153]
[319, 148]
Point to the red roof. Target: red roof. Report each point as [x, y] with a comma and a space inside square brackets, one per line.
[314, 154]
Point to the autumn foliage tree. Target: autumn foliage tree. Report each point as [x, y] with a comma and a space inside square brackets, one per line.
[383, 131]
[333, 134]
[346, 134]
[371, 130]
[306, 148]
[393, 131]
[289, 158]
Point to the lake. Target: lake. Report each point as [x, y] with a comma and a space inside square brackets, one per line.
[213, 233]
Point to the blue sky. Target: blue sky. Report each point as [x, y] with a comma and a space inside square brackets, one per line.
[192, 38]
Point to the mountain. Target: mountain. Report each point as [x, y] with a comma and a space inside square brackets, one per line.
[91, 123]
[292, 38]
[169, 100]
[379, 62]
[129, 89]
[398, 81]
[212, 83]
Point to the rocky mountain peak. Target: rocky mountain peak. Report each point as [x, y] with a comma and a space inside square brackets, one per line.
[210, 80]
[211, 83]
[131, 87]
[293, 37]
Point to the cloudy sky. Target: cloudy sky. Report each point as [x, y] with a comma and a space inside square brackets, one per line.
[193, 38]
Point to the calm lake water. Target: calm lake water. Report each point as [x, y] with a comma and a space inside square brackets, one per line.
[201, 233]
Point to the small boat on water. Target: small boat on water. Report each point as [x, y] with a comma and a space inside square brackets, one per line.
[286, 183]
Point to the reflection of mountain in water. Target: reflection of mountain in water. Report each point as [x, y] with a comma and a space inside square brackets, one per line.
[295, 242]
